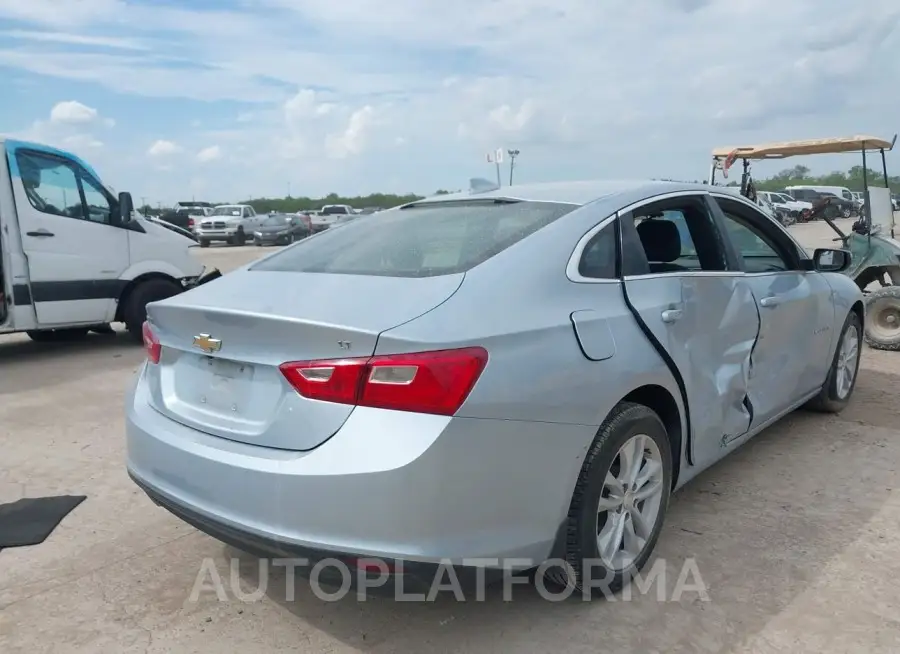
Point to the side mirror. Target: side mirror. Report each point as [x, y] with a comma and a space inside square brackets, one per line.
[126, 208]
[831, 260]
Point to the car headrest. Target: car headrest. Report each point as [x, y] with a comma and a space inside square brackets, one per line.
[661, 240]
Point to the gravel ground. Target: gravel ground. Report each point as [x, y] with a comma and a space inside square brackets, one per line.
[794, 538]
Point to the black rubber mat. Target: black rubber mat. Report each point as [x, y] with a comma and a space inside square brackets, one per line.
[31, 520]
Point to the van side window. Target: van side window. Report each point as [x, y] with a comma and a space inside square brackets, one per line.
[61, 188]
[97, 203]
[51, 184]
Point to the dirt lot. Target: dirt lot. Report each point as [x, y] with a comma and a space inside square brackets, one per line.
[795, 538]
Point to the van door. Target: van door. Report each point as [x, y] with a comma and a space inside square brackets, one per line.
[75, 255]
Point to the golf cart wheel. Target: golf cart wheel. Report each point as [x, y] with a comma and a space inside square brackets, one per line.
[883, 323]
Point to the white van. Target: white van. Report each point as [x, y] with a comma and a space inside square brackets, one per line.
[74, 256]
[840, 191]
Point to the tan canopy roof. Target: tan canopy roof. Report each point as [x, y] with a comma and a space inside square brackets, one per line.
[813, 146]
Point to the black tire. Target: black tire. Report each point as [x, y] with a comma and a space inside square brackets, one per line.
[846, 212]
[883, 312]
[57, 335]
[135, 310]
[625, 421]
[829, 400]
[257, 242]
[204, 243]
[239, 238]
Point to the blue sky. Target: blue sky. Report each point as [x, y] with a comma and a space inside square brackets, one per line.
[241, 98]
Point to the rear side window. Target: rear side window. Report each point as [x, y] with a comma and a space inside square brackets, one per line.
[423, 240]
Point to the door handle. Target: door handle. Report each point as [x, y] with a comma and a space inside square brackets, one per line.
[671, 315]
[769, 302]
[40, 232]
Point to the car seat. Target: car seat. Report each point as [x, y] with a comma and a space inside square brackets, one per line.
[662, 244]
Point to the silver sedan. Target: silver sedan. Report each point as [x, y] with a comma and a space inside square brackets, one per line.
[526, 372]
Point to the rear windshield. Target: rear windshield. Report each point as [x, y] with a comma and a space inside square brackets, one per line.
[424, 240]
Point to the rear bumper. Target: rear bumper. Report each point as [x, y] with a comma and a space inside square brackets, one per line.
[407, 487]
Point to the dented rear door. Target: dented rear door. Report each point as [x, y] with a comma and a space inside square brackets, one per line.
[708, 324]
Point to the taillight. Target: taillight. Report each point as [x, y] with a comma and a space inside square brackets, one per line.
[151, 344]
[190, 222]
[423, 382]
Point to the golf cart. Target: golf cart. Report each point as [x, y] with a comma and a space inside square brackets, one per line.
[871, 241]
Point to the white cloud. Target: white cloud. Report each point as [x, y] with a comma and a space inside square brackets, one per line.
[582, 88]
[353, 139]
[162, 148]
[72, 112]
[211, 153]
[75, 39]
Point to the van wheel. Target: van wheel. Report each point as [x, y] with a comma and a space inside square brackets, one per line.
[57, 335]
[204, 243]
[135, 310]
[619, 503]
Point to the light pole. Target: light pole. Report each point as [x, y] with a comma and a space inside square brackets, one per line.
[512, 163]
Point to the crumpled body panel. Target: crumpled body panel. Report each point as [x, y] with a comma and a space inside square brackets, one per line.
[711, 342]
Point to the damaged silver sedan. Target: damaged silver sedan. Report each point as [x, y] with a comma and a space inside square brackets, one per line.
[524, 372]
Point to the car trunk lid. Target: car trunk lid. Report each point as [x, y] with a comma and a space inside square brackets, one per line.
[222, 344]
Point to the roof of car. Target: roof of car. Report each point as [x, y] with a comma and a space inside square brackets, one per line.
[578, 192]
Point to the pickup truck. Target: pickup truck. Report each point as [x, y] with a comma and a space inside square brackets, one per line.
[74, 255]
[232, 223]
[328, 214]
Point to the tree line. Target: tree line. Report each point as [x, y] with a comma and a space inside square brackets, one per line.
[796, 176]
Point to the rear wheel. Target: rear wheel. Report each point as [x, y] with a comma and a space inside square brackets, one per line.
[135, 311]
[619, 503]
[883, 325]
[57, 335]
[204, 243]
[846, 212]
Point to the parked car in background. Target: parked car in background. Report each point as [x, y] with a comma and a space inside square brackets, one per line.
[342, 220]
[280, 229]
[328, 214]
[231, 223]
[370, 210]
[838, 207]
[839, 191]
[186, 217]
[390, 402]
[785, 202]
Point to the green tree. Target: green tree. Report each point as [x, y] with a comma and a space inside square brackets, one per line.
[800, 176]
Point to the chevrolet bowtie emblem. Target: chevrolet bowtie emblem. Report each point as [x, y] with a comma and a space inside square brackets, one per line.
[207, 343]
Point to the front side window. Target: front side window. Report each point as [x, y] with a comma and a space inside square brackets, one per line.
[97, 205]
[758, 247]
[50, 183]
[419, 240]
